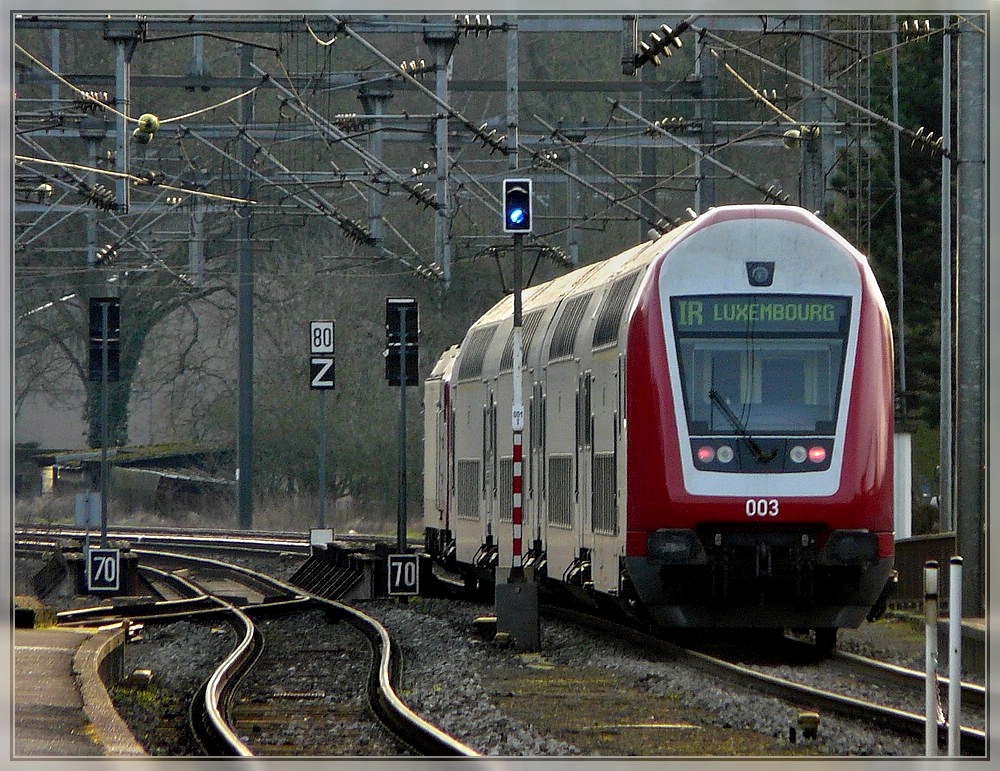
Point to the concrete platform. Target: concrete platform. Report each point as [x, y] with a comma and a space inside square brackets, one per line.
[61, 706]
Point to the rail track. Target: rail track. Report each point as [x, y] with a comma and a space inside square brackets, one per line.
[796, 681]
[210, 589]
[257, 596]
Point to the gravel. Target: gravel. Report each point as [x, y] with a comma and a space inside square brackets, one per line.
[437, 646]
[442, 677]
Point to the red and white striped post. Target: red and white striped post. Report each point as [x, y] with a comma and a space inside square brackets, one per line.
[517, 597]
[517, 422]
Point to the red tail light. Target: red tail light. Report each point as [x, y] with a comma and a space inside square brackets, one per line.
[817, 454]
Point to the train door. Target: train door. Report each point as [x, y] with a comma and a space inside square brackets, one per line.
[490, 461]
[603, 525]
[442, 454]
[535, 480]
[580, 569]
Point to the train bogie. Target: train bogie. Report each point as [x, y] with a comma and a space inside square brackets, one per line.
[708, 432]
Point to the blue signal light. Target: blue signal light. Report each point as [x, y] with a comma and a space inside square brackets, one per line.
[517, 205]
[517, 216]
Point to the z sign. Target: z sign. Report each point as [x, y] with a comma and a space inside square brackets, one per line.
[321, 352]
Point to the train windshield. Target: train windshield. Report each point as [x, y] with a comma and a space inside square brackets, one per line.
[761, 364]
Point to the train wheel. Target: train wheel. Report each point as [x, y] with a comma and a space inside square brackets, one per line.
[826, 640]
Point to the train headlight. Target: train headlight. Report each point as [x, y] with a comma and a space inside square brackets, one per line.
[760, 273]
[724, 454]
[674, 546]
[797, 454]
[850, 547]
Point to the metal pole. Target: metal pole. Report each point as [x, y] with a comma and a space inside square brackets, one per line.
[955, 658]
[813, 188]
[124, 104]
[401, 504]
[245, 270]
[707, 107]
[930, 657]
[322, 458]
[442, 216]
[970, 377]
[945, 483]
[104, 425]
[517, 401]
[900, 331]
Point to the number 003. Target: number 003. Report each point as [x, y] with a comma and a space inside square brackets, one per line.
[762, 507]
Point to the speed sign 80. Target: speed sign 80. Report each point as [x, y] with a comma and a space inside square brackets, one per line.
[762, 507]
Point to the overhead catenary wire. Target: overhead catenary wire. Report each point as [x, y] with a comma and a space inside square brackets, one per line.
[916, 136]
[490, 199]
[633, 192]
[767, 192]
[105, 106]
[139, 180]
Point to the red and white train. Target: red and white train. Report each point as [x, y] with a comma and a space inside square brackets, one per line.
[708, 438]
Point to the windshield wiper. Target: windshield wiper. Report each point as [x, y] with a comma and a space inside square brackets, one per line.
[758, 453]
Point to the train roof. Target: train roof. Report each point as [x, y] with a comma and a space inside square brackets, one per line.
[590, 277]
[597, 282]
[444, 365]
[579, 281]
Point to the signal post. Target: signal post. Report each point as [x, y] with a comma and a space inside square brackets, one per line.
[517, 599]
[402, 331]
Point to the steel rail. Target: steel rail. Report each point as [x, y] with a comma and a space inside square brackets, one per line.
[386, 703]
[973, 741]
[973, 694]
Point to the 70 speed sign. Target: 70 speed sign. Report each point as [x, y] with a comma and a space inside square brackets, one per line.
[404, 574]
[103, 570]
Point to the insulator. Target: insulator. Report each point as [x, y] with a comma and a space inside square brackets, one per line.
[916, 28]
[106, 254]
[670, 37]
[557, 255]
[476, 24]
[763, 94]
[348, 121]
[429, 271]
[810, 132]
[413, 69]
[646, 49]
[356, 232]
[149, 178]
[149, 123]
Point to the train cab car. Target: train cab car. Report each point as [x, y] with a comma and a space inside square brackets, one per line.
[709, 430]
